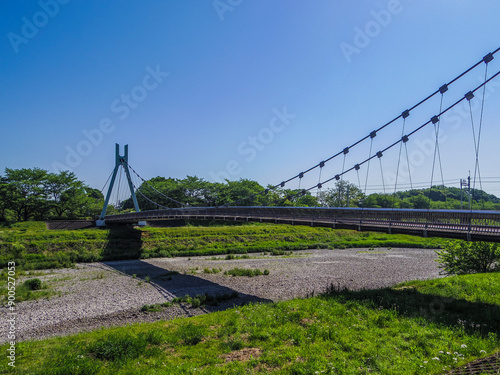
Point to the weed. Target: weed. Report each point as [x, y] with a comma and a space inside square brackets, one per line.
[205, 299]
[156, 307]
[244, 272]
[233, 257]
[235, 344]
[280, 252]
[195, 302]
[190, 334]
[117, 347]
[211, 270]
[33, 284]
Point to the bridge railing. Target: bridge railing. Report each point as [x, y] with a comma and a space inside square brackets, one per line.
[450, 220]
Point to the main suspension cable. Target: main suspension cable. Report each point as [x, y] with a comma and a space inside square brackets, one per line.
[485, 59]
[433, 120]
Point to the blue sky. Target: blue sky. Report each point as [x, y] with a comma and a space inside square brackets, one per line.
[244, 88]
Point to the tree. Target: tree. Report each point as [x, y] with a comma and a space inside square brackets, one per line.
[94, 201]
[4, 199]
[157, 189]
[196, 191]
[344, 194]
[243, 192]
[33, 193]
[290, 197]
[461, 257]
[377, 200]
[26, 191]
[66, 194]
[420, 202]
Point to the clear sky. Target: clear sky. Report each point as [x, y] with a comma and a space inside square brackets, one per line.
[252, 89]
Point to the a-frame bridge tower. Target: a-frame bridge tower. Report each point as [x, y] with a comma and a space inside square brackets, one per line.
[121, 161]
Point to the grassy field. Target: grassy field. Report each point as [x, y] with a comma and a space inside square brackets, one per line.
[34, 247]
[424, 327]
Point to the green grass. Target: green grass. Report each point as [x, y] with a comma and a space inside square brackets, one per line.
[29, 289]
[245, 272]
[205, 299]
[233, 257]
[32, 246]
[414, 328]
[211, 270]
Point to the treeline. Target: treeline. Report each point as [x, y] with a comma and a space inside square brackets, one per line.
[193, 191]
[36, 194]
[439, 197]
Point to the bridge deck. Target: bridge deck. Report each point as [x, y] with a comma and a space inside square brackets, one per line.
[469, 225]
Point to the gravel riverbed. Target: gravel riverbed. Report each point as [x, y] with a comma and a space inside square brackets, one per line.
[95, 295]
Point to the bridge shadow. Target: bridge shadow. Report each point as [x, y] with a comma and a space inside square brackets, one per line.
[123, 254]
[475, 318]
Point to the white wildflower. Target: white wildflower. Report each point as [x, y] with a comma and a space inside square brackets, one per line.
[463, 346]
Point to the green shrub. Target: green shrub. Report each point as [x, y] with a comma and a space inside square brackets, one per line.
[17, 249]
[155, 337]
[195, 302]
[118, 346]
[235, 344]
[33, 284]
[190, 334]
[243, 272]
[461, 257]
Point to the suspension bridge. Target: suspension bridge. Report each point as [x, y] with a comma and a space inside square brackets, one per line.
[466, 224]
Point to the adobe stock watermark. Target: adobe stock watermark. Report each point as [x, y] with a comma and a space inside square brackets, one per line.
[31, 25]
[224, 6]
[253, 144]
[380, 20]
[122, 108]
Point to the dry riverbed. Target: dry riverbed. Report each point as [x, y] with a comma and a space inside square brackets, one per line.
[97, 295]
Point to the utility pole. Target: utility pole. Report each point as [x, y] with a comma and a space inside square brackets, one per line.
[470, 200]
[463, 182]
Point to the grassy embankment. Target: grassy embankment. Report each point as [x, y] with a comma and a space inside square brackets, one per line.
[423, 327]
[32, 246]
